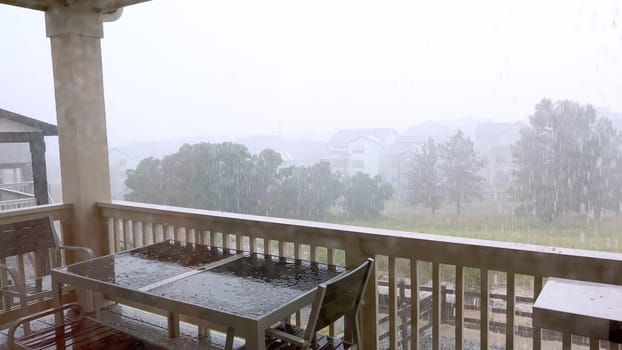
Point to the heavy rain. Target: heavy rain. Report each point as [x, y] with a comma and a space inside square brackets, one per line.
[473, 149]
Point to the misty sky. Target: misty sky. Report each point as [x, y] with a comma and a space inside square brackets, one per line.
[241, 67]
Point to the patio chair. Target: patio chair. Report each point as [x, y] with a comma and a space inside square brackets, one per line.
[37, 241]
[339, 297]
[75, 331]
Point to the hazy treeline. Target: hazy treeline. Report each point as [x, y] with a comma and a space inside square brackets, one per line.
[445, 172]
[566, 160]
[226, 177]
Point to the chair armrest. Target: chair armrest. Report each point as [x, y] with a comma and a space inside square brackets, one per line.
[19, 284]
[88, 251]
[21, 321]
[290, 338]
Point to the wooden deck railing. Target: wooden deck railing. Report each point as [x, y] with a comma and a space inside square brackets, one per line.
[59, 213]
[26, 187]
[426, 262]
[17, 203]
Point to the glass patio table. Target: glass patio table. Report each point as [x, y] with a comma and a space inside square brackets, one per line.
[246, 291]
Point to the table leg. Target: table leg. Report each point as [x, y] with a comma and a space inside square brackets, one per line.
[256, 340]
[173, 324]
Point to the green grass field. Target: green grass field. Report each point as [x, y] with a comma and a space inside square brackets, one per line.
[494, 221]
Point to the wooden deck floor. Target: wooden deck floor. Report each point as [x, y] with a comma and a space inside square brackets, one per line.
[4, 331]
[141, 324]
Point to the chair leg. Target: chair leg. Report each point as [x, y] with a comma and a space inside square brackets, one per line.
[24, 313]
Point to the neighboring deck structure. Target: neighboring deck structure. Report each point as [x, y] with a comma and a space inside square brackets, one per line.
[23, 177]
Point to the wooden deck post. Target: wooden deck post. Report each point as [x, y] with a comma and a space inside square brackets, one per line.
[39, 173]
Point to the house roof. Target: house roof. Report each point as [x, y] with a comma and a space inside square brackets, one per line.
[497, 129]
[349, 135]
[44, 5]
[18, 123]
[432, 128]
[404, 144]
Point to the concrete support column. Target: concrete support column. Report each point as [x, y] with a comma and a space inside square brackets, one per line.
[75, 35]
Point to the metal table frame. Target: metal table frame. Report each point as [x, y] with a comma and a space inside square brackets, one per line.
[251, 329]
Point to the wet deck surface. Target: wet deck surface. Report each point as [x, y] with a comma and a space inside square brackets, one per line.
[44, 323]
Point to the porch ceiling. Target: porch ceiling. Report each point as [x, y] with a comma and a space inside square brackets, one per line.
[100, 5]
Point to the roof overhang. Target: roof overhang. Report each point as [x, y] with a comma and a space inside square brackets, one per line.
[45, 128]
[98, 5]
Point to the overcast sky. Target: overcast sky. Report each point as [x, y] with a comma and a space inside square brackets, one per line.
[177, 68]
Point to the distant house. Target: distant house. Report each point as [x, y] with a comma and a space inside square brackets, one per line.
[439, 131]
[358, 150]
[23, 172]
[397, 163]
[494, 143]
[299, 152]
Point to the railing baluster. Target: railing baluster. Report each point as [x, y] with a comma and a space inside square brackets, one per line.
[137, 226]
[298, 255]
[459, 306]
[594, 344]
[252, 244]
[239, 241]
[21, 273]
[118, 234]
[566, 341]
[266, 246]
[158, 233]
[414, 304]
[225, 240]
[170, 232]
[330, 257]
[4, 281]
[509, 310]
[212, 239]
[127, 234]
[190, 237]
[436, 305]
[392, 305]
[112, 240]
[205, 236]
[537, 288]
[179, 234]
[147, 232]
[483, 308]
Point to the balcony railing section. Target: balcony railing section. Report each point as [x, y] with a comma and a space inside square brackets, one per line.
[429, 291]
[25, 187]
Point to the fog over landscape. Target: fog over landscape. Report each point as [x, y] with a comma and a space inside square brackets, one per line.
[391, 100]
[277, 67]
[472, 148]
